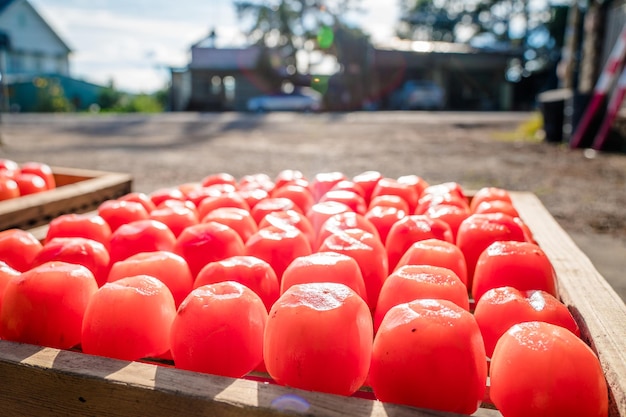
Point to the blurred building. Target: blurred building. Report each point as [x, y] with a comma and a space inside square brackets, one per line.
[34, 62]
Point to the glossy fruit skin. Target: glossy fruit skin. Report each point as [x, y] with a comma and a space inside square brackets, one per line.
[8, 188]
[129, 319]
[6, 273]
[77, 250]
[383, 218]
[318, 337]
[369, 253]
[320, 212]
[18, 248]
[89, 226]
[278, 247]
[449, 213]
[500, 308]
[300, 195]
[42, 170]
[392, 186]
[176, 218]
[231, 199]
[207, 242]
[142, 198]
[119, 212]
[344, 221]
[324, 267]
[543, 370]
[240, 220]
[350, 198]
[270, 205]
[436, 252]
[30, 183]
[412, 282]
[323, 182]
[9, 167]
[250, 271]
[522, 265]
[290, 218]
[367, 180]
[169, 268]
[478, 231]
[489, 194]
[45, 305]
[411, 229]
[429, 354]
[140, 236]
[218, 329]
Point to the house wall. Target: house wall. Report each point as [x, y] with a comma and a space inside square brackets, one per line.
[34, 47]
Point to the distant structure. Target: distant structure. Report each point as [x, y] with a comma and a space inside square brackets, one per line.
[221, 79]
[33, 57]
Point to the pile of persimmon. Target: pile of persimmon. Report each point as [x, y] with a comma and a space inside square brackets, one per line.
[23, 179]
[329, 284]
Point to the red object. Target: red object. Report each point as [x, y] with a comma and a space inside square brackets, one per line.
[250, 271]
[436, 252]
[324, 267]
[390, 186]
[522, 265]
[278, 247]
[287, 219]
[540, 369]
[142, 198]
[350, 198]
[383, 218]
[479, 231]
[18, 248]
[45, 305]
[42, 170]
[411, 229]
[203, 243]
[324, 181]
[238, 219]
[119, 212]
[140, 236]
[489, 194]
[129, 319]
[6, 274]
[429, 354]
[8, 187]
[319, 337]
[412, 282]
[228, 199]
[218, 178]
[300, 195]
[500, 308]
[77, 250]
[176, 218]
[367, 180]
[167, 267]
[370, 254]
[218, 329]
[270, 205]
[29, 183]
[80, 225]
[345, 221]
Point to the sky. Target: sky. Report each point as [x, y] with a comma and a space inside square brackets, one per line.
[135, 43]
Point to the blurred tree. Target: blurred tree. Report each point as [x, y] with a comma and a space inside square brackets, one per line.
[285, 27]
[536, 27]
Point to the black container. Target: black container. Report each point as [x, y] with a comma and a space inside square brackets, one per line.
[552, 106]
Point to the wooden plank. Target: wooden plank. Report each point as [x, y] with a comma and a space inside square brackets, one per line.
[50, 382]
[79, 191]
[598, 309]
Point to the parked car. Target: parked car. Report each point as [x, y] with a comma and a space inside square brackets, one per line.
[419, 95]
[296, 101]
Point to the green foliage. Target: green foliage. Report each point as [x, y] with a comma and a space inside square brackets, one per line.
[51, 97]
[114, 101]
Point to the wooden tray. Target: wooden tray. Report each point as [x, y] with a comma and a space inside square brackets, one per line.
[50, 382]
[78, 191]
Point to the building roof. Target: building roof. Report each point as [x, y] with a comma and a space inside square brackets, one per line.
[6, 3]
[224, 59]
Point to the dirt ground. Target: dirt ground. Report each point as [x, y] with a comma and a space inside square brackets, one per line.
[584, 191]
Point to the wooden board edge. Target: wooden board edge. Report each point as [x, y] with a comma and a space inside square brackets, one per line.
[598, 309]
[57, 382]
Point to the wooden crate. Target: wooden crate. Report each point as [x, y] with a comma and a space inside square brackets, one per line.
[78, 191]
[49, 382]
